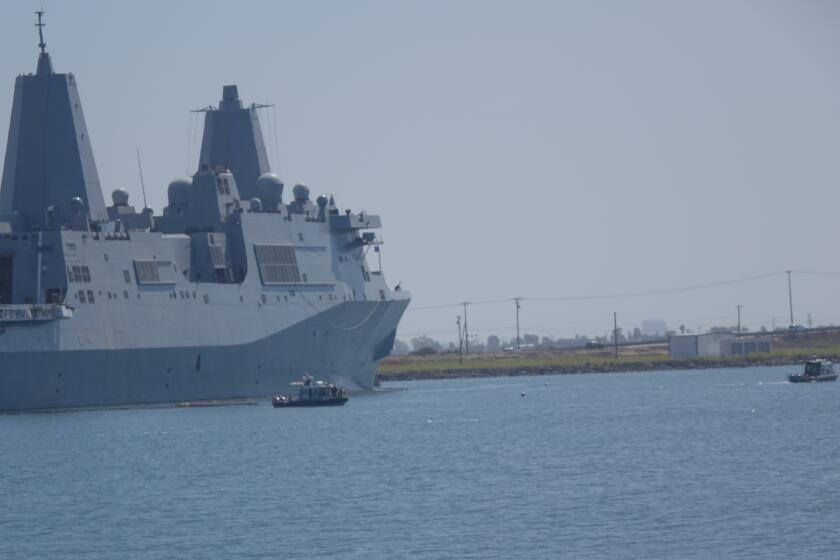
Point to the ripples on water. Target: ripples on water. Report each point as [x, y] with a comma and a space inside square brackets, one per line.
[712, 464]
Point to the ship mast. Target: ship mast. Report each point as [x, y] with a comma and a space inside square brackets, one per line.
[40, 25]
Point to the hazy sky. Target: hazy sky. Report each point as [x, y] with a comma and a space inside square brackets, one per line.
[535, 149]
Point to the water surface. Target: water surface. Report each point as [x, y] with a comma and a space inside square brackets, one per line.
[710, 464]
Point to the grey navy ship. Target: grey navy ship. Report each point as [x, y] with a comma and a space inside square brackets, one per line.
[232, 292]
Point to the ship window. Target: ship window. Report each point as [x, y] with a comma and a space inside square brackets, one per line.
[90, 296]
[206, 298]
[147, 272]
[153, 272]
[300, 236]
[277, 264]
[71, 246]
[365, 274]
[125, 294]
[304, 277]
[127, 276]
[382, 294]
[78, 273]
[217, 256]
[82, 298]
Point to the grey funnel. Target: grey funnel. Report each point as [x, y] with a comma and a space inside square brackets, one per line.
[233, 140]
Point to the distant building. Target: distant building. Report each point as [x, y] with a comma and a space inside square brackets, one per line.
[716, 344]
[693, 345]
[744, 346]
[654, 327]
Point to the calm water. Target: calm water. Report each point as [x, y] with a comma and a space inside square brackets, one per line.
[712, 464]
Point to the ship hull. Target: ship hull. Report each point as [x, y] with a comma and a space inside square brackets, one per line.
[323, 345]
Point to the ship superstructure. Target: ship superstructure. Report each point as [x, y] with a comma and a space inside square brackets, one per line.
[232, 292]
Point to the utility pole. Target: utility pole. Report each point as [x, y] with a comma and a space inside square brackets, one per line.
[615, 333]
[460, 342]
[790, 297]
[516, 300]
[739, 306]
[466, 331]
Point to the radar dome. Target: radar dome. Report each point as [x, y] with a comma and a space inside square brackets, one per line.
[76, 204]
[120, 197]
[178, 191]
[301, 192]
[270, 190]
[322, 201]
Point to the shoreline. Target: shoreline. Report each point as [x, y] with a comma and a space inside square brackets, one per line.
[619, 366]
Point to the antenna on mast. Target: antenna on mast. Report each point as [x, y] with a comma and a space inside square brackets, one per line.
[40, 25]
[142, 184]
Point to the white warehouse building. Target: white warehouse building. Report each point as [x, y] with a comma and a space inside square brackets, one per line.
[716, 344]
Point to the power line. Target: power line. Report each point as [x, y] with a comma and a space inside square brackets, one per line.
[816, 272]
[626, 295]
[451, 305]
[661, 292]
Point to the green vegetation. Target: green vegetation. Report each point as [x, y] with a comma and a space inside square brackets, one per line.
[653, 357]
[440, 363]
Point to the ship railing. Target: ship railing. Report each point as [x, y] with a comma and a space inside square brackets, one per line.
[25, 313]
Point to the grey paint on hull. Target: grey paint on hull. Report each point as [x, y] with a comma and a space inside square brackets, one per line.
[48, 380]
[231, 293]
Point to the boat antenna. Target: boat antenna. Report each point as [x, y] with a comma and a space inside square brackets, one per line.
[142, 184]
[40, 25]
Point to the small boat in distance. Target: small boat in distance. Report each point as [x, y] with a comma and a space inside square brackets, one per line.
[312, 392]
[815, 370]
